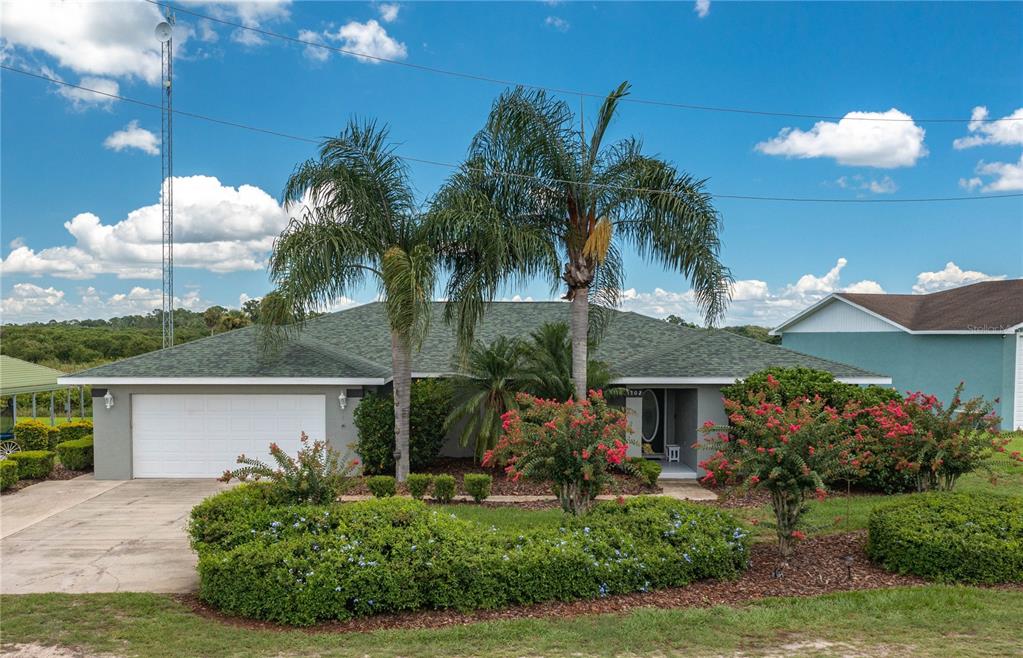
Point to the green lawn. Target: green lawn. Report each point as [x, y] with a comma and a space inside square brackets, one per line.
[929, 621]
[841, 513]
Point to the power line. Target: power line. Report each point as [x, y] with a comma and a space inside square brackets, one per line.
[498, 172]
[557, 90]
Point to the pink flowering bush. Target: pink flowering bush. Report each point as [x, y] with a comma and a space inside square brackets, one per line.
[316, 475]
[791, 451]
[929, 442]
[572, 444]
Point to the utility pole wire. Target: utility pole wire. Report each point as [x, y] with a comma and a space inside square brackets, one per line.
[557, 90]
[498, 172]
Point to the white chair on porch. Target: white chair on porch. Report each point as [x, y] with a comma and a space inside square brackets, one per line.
[674, 454]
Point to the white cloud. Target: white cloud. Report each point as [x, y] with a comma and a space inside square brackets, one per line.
[312, 52]
[133, 137]
[983, 131]
[853, 141]
[112, 39]
[1008, 177]
[388, 11]
[28, 302]
[82, 99]
[557, 23]
[753, 301]
[702, 8]
[250, 13]
[216, 227]
[950, 277]
[369, 38]
[884, 185]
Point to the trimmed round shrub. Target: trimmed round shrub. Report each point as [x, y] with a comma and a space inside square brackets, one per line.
[478, 485]
[34, 434]
[80, 429]
[76, 455]
[304, 564]
[950, 537]
[381, 486]
[33, 464]
[418, 484]
[8, 473]
[374, 420]
[444, 488]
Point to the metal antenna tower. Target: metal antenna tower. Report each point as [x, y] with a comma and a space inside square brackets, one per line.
[163, 33]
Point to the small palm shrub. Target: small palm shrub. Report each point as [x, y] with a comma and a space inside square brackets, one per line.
[381, 486]
[34, 434]
[317, 474]
[444, 488]
[570, 444]
[33, 464]
[647, 470]
[478, 485]
[76, 455]
[8, 473]
[950, 537]
[418, 484]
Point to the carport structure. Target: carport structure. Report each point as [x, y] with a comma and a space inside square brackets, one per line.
[20, 378]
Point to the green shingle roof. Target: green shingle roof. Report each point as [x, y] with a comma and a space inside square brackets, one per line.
[17, 376]
[355, 343]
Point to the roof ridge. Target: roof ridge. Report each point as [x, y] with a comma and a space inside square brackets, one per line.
[326, 349]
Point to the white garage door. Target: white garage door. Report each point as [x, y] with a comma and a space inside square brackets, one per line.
[196, 436]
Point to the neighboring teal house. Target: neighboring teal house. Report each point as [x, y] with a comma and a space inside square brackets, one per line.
[972, 334]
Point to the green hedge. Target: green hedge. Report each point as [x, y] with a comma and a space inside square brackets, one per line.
[418, 484]
[381, 486]
[34, 434]
[8, 473]
[647, 470]
[76, 455]
[80, 429]
[33, 464]
[950, 537]
[444, 488]
[478, 485]
[303, 564]
[374, 420]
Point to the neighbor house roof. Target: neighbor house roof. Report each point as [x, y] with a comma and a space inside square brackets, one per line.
[984, 307]
[17, 376]
[354, 346]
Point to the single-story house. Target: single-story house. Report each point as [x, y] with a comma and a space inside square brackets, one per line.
[190, 410]
[930, 342]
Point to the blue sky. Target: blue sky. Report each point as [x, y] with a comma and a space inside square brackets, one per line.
[80, 181]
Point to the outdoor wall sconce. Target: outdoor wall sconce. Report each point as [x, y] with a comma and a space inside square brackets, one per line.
[342, 400]
[108, 400]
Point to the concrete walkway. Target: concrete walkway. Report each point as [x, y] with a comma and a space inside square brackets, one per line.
[85, 535]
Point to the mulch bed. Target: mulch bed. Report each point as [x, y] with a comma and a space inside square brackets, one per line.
[504, 486]
[58, 473]
[818, 567]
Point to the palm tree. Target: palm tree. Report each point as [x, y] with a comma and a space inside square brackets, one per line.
[538, 197]
[494, 373]
[359, 222]
[549, 360]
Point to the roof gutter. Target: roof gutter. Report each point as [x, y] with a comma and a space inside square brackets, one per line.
[221, 381]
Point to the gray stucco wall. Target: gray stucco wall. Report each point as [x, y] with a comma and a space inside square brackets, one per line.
[112, 427]
[930, 363]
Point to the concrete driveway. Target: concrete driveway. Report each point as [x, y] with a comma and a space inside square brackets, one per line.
[88, 535]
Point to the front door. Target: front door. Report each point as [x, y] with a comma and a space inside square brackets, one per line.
[652, 421]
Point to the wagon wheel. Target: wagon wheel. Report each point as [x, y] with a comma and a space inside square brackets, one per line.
[7, 447]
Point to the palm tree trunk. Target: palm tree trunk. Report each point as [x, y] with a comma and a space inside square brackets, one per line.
[580, 321]
[401, 365]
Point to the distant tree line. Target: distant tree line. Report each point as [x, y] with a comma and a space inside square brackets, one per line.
[748, 330]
